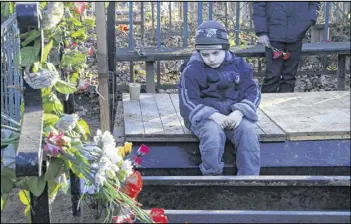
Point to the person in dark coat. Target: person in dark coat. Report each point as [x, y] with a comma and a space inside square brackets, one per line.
[282, 25]
[218, 99]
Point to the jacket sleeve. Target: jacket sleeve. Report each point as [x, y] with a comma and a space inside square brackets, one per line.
[190, 104]
[313, 8]
[259, 18]
[249, 92]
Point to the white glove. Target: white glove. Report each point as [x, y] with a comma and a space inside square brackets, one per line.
[234, 119]
[220, 119]
[264, 40]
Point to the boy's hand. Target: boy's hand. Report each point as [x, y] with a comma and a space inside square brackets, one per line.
[220, 119]
[234, 119]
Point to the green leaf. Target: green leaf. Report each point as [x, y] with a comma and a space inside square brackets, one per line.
[83, 128]
[37, 45]
[79, 33]
[6, 184]
[42, 5]
[52, 104]
[36, 185]
[45, 92]
[36, 67]
[65, 87]
[74, 169]
[72, 134]
[47, 50]
[24, 197]
[75, 22]
[58, 37]
[89, 21]
[29, 55]
[53, 187]
[53, 169]
[3, 200]
[50, 119]
[74, 77]
[8, 172]
[33, 34]
[26, 211]
[76, 144]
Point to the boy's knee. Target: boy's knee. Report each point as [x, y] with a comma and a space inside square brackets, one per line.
[213, 133]
[247, 127]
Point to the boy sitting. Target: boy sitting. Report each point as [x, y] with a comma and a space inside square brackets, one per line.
[218, 100]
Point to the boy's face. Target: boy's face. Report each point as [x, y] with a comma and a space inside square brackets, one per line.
[213, 58]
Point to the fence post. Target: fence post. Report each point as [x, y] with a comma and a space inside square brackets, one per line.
[185, 16]
[237, 23]
[170, 13]
[199, 13]
[102, 66]
[111, 42]
[209, 10]
[142, 24]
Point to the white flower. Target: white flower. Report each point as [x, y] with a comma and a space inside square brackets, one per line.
[67, 122]
[94, 166]
[108, 139]
[43, 79]
[8, 157]
[127, 167]
[87, 187]
[100, 178]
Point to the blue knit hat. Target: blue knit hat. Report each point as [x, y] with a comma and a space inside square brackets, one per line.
[211, 35]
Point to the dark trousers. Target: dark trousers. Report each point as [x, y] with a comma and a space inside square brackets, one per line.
[280, 74]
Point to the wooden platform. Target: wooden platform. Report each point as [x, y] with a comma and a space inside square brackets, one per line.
[284, 116]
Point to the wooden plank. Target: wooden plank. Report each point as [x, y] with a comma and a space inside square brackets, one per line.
[341, 72]
[168, 138]
[102, 60]
[150, 82]
[175, 102]
[151, 118]
[133, 121]
[310, 116]
[171, 123]
[269, 128]
[118, 127]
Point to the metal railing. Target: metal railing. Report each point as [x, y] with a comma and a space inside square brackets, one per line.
[10, 70]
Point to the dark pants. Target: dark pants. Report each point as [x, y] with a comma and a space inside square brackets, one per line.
[280, 74]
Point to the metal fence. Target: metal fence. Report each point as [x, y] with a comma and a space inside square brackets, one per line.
[10, 70]
[236, 16]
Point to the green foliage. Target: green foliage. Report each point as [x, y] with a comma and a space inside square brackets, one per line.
[3, 200]
[52, 104]
[65, 87]
[29, 55]
[7, 9]
[36, 185]
[47, 50]
[54, 169]
[32, 35]
[50, 119]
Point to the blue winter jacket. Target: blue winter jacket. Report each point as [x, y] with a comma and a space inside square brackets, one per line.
[204, 90]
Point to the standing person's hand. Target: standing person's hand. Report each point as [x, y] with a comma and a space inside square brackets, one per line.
[234, 119]
[264, 40]
[220, 119]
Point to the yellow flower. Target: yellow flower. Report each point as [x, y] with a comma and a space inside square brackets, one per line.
[121, 151]
[128, 147]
